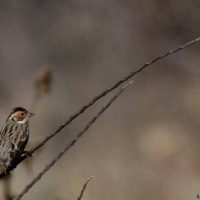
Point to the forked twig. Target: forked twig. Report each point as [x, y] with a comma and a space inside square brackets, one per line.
[74, 141]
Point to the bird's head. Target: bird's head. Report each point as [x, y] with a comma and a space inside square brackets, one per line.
[20, 115]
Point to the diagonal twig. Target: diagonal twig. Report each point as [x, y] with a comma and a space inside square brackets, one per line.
[101, 95]
[84, 188]
[72, 143]
[110, 89]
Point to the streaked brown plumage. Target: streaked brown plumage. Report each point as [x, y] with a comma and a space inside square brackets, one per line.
[14, 137]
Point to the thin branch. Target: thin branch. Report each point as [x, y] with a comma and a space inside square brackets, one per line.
[84, 188]
[101, 95]
[108, 90]
[73, 142]
[7, 188]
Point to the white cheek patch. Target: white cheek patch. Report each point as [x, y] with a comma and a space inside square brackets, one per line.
[22, 122]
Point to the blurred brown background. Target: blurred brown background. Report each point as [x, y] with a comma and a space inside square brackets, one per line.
[146, 146]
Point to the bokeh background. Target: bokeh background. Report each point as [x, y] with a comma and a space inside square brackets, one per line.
[146, 146]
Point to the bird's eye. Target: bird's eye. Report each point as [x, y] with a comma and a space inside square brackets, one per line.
[22, 114]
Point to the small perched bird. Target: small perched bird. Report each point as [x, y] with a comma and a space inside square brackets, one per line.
[14, 137]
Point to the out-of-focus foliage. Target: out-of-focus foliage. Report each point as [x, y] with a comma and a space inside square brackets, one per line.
[147, 145]
[43, 82]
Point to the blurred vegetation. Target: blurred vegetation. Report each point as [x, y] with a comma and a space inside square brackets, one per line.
[146, 145]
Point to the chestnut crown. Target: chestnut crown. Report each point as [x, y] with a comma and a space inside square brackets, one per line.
[20, 114]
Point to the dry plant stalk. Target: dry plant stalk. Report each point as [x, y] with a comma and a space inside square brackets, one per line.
[110, 89]
[101, 95]
[84, 187]
[7, 189]
[72, 143]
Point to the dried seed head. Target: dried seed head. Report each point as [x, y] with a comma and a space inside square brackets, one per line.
[43, 81]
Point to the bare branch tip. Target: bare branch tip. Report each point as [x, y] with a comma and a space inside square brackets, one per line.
[90, 178]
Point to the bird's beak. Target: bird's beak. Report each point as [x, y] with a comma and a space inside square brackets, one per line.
[31, 114]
